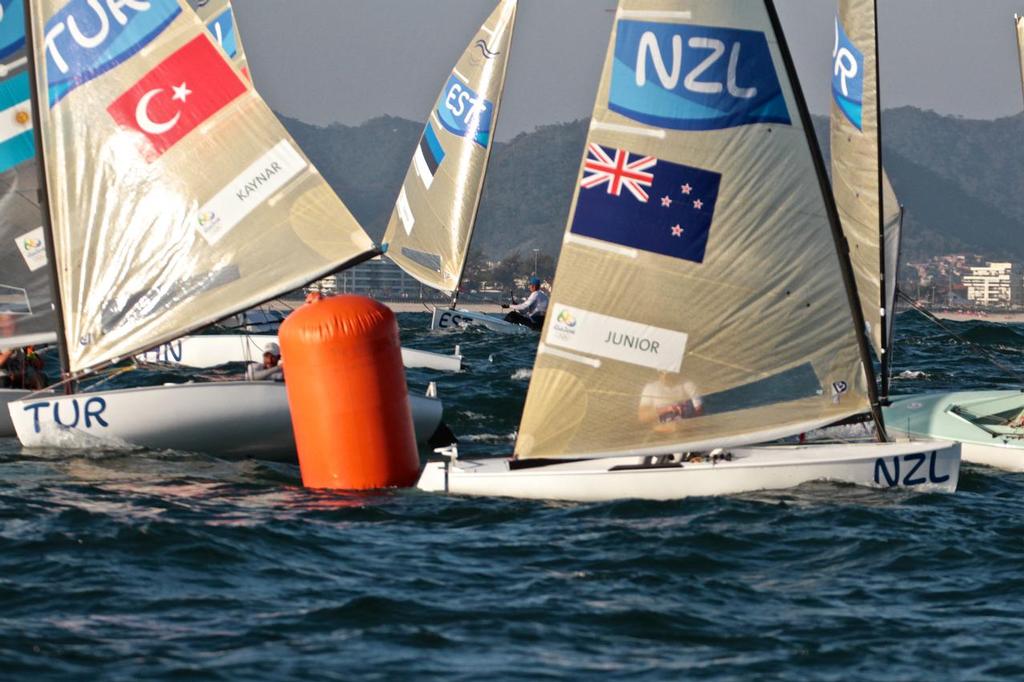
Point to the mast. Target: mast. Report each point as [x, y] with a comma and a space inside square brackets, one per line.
[842, 246]
[44, 197]
[494, 134]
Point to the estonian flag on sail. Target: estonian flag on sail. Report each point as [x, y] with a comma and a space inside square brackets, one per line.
[642, 202]
[429, 156]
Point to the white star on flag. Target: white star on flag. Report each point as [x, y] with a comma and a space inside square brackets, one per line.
[698, 204]
[677, 231]
[666, 202]
[181, 92]
[687, 189]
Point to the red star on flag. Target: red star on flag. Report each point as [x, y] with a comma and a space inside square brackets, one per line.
[677, 231]
[666, 202]
[698, 204]
[687, 189]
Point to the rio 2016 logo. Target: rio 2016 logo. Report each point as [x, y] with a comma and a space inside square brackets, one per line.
[567, 319]
[689, 77]
[31, 245]
[848, 77]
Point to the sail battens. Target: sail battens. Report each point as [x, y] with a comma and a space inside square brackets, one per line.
[701, 266]
[600, 246]
[628, 130]
[176, 196]
[568, 355]
[436, 209]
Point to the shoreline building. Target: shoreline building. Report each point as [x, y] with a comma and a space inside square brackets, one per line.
[996, 285]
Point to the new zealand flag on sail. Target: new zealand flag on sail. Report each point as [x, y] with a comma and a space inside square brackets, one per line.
[642, 202]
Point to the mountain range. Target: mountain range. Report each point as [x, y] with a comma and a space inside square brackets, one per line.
[959, 180]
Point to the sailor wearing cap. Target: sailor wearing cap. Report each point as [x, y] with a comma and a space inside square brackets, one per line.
[271, 369]
[531, 312]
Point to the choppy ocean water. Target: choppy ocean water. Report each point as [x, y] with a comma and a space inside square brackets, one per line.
[172, 566]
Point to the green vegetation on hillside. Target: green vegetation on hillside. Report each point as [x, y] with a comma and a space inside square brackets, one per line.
[959, 180]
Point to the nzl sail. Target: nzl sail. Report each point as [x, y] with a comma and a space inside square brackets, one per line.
[176, 197]
[432, 224]
[26, 310]
[220, 19]
[700, 300]
[868, 207]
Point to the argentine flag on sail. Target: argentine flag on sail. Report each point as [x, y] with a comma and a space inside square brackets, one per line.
[17, 144]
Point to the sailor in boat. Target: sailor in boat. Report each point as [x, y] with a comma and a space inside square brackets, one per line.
[667, 401]
[271, 369]
[20, 368]
[530, 313]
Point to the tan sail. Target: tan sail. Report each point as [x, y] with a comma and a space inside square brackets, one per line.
[219, 17]
[856, 157]
[432, 224]
[176, 196]
[1018, 24]
[700, 299]
[893, 217]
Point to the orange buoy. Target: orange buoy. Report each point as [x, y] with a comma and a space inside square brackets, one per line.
[348, 397]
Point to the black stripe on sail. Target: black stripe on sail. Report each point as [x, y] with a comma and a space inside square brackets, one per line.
[428, 156]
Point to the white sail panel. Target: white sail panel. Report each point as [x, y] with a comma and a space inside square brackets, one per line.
[432, 224]
[700, 296]
[176, 196]
[26, 309]
[219, 18]
[856, 156]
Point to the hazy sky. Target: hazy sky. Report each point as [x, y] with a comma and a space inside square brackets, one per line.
[324, 61]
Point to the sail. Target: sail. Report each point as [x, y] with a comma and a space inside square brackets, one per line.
[176, 196]
[700, 299]
[430, 229]
[1018, 23]
[220, 20]
[893, 220]
[26, 310]
[856, 155]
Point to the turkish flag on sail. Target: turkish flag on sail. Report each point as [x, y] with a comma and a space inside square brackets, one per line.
[179, 94]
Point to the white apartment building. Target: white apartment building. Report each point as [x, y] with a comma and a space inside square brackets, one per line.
[997, 285]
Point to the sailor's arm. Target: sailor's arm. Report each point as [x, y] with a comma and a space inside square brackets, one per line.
[526, 305]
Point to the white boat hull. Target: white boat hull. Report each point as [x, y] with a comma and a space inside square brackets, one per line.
[9, 395]
[921, 466]
[217, 349]
[232, 420]
[935, 415]
[446, 318]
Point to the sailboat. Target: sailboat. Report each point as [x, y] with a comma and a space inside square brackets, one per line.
[988, 424]
[26, 310]
[211, 350]
[701, 306]
[172, 198]
[432, 224]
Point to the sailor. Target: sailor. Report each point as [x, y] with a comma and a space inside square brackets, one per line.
[20, 368]
[272, 367]
[668, 400]
[531, 312]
